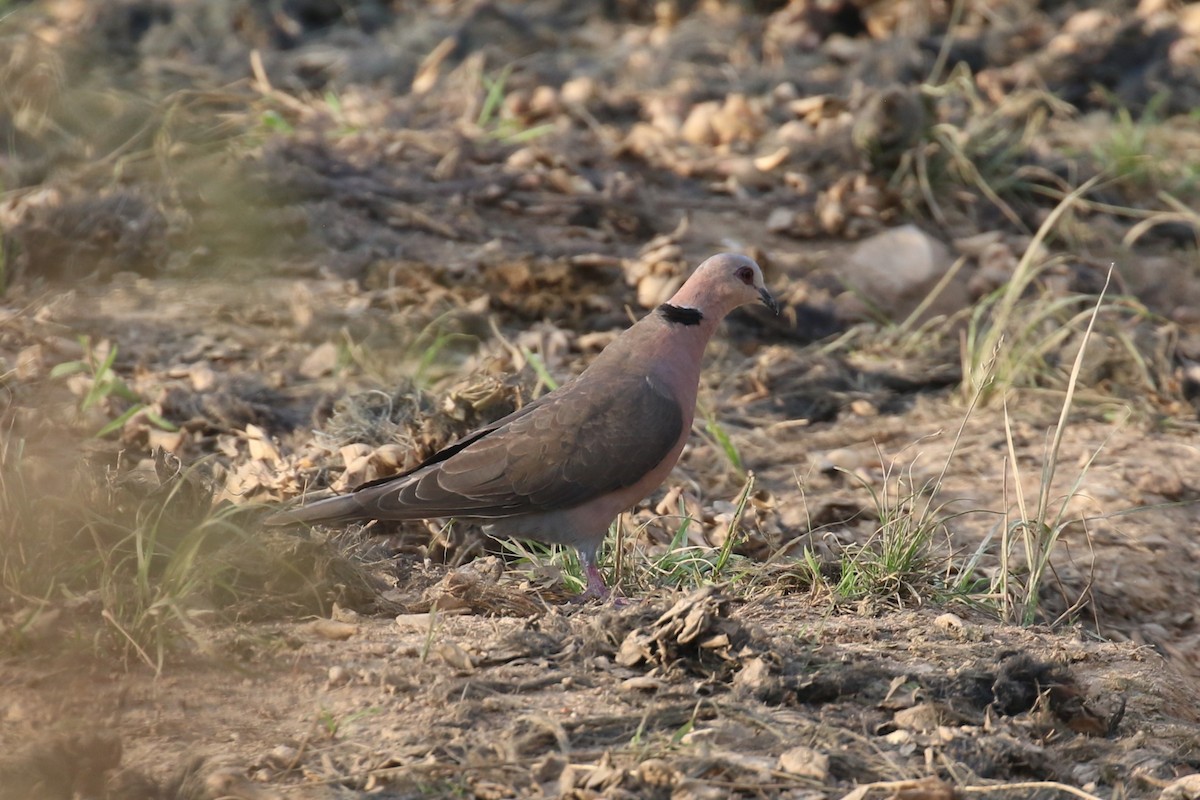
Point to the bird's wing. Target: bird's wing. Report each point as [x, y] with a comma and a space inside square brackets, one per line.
[594, 439]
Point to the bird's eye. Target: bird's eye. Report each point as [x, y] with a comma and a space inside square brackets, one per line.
[745, 275]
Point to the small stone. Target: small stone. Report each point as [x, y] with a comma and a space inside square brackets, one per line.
[895, 270]
[805, 762]
[332, 629]
[544, 101]
[864, 408]
[522, 160]
[338, 676]
[418, 622]
[780, 220]
[841, 458]
[283, 757]
[455, 656]
[578, 91]
[641, 683]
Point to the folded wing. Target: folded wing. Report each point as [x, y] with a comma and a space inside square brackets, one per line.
[567, 449]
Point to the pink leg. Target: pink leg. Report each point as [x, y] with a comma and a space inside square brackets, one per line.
[596, 587]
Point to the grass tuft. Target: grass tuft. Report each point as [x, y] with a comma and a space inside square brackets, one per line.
[137, 562]
[1014, 336]
[1038, 526]
[105, 387]
[634, 568]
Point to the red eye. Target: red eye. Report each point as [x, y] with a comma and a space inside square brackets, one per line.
[745, 275]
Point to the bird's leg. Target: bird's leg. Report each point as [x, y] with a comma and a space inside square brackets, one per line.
[596, 587]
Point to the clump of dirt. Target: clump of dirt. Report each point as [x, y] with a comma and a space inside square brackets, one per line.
[90, 237]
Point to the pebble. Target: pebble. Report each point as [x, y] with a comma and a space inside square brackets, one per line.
[338, 676]
[332, 630]
[805, 762]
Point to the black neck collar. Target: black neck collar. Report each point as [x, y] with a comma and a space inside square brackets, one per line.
[680, 315]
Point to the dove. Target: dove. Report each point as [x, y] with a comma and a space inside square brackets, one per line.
[560, 469]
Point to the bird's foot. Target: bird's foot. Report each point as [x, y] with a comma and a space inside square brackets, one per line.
[614, 598]
[597, 589]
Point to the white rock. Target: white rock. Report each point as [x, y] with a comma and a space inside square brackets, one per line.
[806, 762]
[892, 272]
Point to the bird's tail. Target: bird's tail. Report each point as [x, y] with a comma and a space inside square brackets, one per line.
[340, 508]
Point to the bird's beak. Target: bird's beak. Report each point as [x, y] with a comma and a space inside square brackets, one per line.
[769, 301]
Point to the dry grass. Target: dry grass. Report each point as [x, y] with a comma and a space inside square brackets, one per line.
[1039, 525]
[147, 557]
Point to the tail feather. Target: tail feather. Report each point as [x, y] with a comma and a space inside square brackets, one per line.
[340, 508]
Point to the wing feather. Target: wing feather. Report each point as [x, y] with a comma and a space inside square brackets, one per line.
[589, 439]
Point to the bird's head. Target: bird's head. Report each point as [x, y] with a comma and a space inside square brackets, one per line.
[721, 284]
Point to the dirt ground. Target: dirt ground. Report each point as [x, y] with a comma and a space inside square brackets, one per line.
[253, 249]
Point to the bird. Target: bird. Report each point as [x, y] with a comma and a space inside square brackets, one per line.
[560, 469]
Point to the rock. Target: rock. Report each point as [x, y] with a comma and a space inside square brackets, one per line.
[641, 683]
[338, 676]
[780, 220]
[578, 91]
[332, 629]
[841, 458]
[805, 762]
[892, 273]
[283, 756]
[863, 408]
[455, 656]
